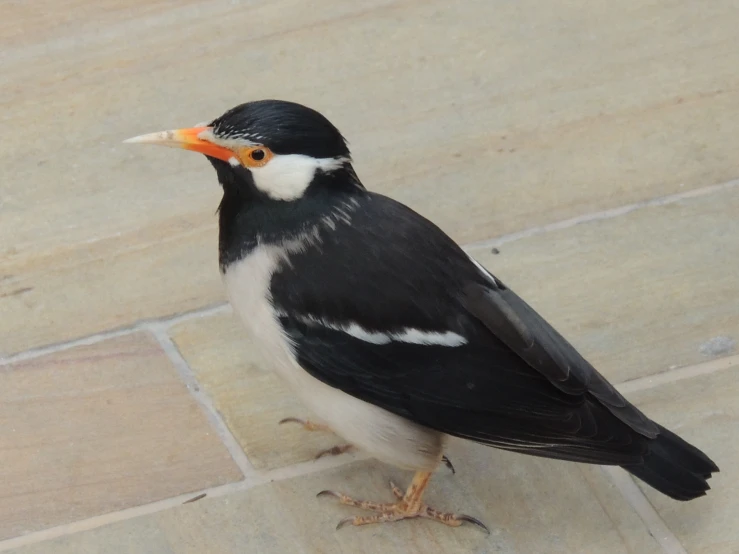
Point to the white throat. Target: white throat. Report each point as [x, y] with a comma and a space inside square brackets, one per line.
[287, 176]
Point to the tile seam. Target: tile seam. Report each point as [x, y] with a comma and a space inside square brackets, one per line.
[141, 325]
[256, 479]
[187, 375]
[95, 522]
[602, 215]
[658, 529]
[677, 374]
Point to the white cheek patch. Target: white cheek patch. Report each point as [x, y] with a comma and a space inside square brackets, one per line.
[285, 177]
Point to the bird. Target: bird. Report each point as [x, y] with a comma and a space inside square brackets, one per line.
[390, 333]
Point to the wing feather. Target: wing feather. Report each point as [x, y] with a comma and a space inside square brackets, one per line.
[514, 382]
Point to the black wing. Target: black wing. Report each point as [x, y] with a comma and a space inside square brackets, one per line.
[508, 379]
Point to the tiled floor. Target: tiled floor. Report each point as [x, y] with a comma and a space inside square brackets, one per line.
[592, 145]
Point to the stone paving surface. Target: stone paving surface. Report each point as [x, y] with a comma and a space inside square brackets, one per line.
[584, 152]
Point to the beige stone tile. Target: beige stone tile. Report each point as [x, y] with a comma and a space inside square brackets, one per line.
[628, 523]
[96, 429]
[639, 293]
[107, 285]
[24, 24]
[251, 400]
[520, 116]
[137, 536]
[111, 284]
[530, 505]
[704, 411]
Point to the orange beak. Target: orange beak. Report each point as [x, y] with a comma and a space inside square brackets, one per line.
[187, 139]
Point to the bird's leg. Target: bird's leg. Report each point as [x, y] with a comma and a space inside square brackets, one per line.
[409, 505]
[309, 425]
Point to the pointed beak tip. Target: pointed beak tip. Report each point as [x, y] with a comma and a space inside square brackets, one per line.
[152, 138]
[187, 139]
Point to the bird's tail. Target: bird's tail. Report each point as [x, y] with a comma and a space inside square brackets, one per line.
[674, 467]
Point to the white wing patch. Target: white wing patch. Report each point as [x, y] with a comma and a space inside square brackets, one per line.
[407, 335]
[417, 336]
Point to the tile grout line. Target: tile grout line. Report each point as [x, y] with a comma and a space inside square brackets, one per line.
[256, 479]
[116, 517]
[59, 347]
[677, 374]
[159, 331]
[141, 325]
[668, 542]
[601, 215]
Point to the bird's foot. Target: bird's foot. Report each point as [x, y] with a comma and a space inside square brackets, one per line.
[307, 424]
[337, 450]
[312, 426]
[402, 509]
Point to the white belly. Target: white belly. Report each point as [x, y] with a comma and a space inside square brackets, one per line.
[383, 435]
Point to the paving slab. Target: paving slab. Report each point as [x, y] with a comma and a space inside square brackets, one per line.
[79, 292]
[97, 429]
[531, 506]
[704, 411]
[521, 116]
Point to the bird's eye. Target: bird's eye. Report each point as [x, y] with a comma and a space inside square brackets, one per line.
[255, 156]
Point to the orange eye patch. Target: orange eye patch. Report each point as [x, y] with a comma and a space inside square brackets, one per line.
[255, 156]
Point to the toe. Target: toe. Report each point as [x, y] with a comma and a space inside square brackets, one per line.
[453, 520]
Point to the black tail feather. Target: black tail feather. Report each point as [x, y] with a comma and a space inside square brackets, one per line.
[675, 467]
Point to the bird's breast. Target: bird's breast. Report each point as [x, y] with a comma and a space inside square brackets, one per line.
[247, 284]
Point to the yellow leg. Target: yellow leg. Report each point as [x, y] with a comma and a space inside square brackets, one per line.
[409, 505]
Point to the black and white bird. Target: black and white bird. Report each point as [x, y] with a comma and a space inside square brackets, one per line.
[389, 332]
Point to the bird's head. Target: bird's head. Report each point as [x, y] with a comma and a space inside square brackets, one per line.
[270, 148]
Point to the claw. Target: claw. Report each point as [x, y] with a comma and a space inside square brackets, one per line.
[344, 522]
[307, 424]
[408, 505]
[291, 420]
[448, 463]
[396, 491]
[474, 521]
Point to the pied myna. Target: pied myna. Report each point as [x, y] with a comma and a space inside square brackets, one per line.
[389, 332]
